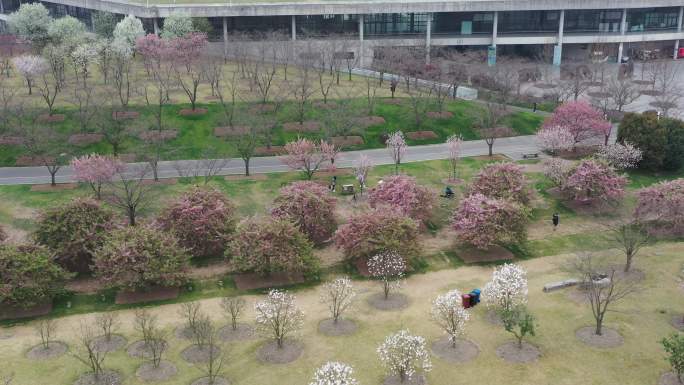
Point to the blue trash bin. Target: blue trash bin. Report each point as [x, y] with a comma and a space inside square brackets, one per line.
[474, 297]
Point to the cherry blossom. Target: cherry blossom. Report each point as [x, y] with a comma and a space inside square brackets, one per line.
[96, 170]
[404, 194]
[396, 145]
[621, 156]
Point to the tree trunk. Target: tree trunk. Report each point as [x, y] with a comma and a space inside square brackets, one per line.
[246, 167]
[628, 263]
[490, 145]
[599, 326]
[131, 217]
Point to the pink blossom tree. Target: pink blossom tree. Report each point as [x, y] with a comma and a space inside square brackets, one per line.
[454, 144]
[331, 152]
[557, 170]
[484, 222]
[621, 156]
[309, 206]
[153, 49]
[503, 180]
[662, 206]
[304, 155]
[404, 194]
[188, 51]
[583, 121]
[30, 67]
[396, 145]
[363, 167]
[595, 180]
[554, 139]
[96, 170]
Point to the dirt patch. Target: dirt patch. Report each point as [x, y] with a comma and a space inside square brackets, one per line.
[191, 112]
[493, 157]
[46, 118]
[343, 327]
[545, 86]
[85, 139]
[269, 151]
[58, 187]
[108, 377]
[609, 338]
[158, 135]
[587, 207]
[578, 296]
[54, 350]
[241, 333]
[440, 114]
[511, 352]
[206, 381]
[211, 97]
[184, 333]
[368, 121]
[361, 265]
[669, 378]
[122, 115]
[11, 140]
[165, 370]
[319, 104]
[393, 101]
[651, 92]
[464, 351]
[116, 342]
[395, 301]
[26, 160]
[493, 317]
[346, 141]
[17, 312]
[139, 349]
[416, 379]
[262, 108]
[599, 94]
[421, 135]
[223, 132]
[269, 353]
[196, 354]
[161, 181]
[153, 294]
[127, 158]
[245, 177]
[250, 281]
[677, 322]
[493, 254]
[307, 126]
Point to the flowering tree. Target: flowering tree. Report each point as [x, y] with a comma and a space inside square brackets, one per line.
[334, 373]
[557, 171]
[454, 144]
[278, 316]
[396, 145]
[304, 155]
[177, 25]
[3, 235]
[484, 222]
[402, 193]
[330, 152]
[583, 121]
[96, 170]
[309, 206]
[592, 179]
[363, 167]
[449, 314]
[504, 180]
[553, 139]
[153, 49]
[271, 245]
[83, 56]
[66, 31]
[620, 156]
[389, 267]
[188, 52]
[30, 67]
[508, 287]
[371, 232]
[403, 355]
[338, 295]
[128, 30]
[31, 22]
[203, 221]
[662, 206]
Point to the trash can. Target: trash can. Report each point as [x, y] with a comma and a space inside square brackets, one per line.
[465, 299]
[474, 297]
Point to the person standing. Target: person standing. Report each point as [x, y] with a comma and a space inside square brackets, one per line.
[555, 219]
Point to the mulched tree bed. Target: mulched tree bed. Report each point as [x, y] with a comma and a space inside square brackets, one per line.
[85, 139]
[395, 301]
[307, 126]
[205, 381]
[493, 317]
[54, 118]
[109, 377]
[17, 312]
[184, 333]
[510, 352]
[250, 281]
[544, 86]
[261, 108]
[677, 322]
[268, 151]
[54, 349]
[58, 187]
[393, 101]
[343, 327]
[246, 177]
[11, 140]
[26, 160]
[416, 379]
[651, 92]
[222, 132]
[269, 353]
[211, 97]
[191, 112]
[346, 141]
[158, 135]
[440, 114]
[139, 349]
[368, 121]
[121, 115]
[125, 297]
[115, 343]
[588, 207]
[241, 333]
[669, 378]
[196, 354]
[464, 351]
[319, 104]
[492, 254]
[421, 135]
[609, 338]
[165, 370]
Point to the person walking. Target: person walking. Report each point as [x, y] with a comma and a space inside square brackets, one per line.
[555, 219]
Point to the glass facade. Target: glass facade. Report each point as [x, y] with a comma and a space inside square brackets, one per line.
[394, 24]
[325, 25]
[463, 23]
[652, 19]
[600, 20]
[254, 24]
[528, 22]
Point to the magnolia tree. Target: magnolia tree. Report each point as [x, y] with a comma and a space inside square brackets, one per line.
[368, 233]
[620, 156]
[553, 139]
[595, 180]
[177, 25]
[278, 316]
[557, 171]
[484, 222]
[662, 206]
[361, 170]
[31, 67]
[31, 22]
[396, 145]
[307, 156]
[402, 193]
[309, 206]
[454, 144]
[503, 180]
[507, 289]
[583, 121]
[128, 30]
[338, 295]
[404, 355]
[388, 267]
[203, 220]
[96, 170]
[334, 373]
[449, 314]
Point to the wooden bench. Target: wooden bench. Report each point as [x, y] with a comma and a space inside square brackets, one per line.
[531, 155]
[347, 189]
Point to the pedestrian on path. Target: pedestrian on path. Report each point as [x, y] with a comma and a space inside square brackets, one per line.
[555, 219]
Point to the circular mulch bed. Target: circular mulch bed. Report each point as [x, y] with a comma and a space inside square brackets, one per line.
[394, 301]
[54, 349]
[393, 101]
[511, 352]
[307, 126]
[116, 342]
[678, 322]
[650, 92]
[217, 381]
[642, 82]
[270, 353]
[241, 333]
[184, 333]
[544, 86]
[669, 378]
[165, 370]
[464, 350]
[108, 377]
[191, 112]
[493, 318]
[608, 339]
[343, 327]
[440, 114]
[138, 349]
[416, 379]
[196, 354]
[634, 275]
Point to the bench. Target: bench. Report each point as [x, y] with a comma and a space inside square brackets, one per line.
[531, 155]
[553, 286]
[347, 189]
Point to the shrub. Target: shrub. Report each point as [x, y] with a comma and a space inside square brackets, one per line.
[73, 231]
[139, 258]
[662, 205]
[309, 206]
[404, 194]
[29, 276]
[3, 235]
[660, 140]
[593, 179]
[203, 221]
[504, 180]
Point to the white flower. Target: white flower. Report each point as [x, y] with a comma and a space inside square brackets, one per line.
[334, 373]
[338, 295]
[278, 315]
[507, 288]
[404, 354]
[389, 267]
[620, 156]
[449, 314]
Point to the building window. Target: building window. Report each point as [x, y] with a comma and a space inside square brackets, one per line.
[325, 25]
[463, 23]
[393, 24]
[528, 22]
[595, 20]
[652, 19]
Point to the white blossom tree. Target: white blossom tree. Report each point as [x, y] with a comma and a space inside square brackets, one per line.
[449, 314]
[621, 156]
[389, 267]
[66, 32]
[83, 56]
[507, 288]
[278, 316]
[334, 373]
[363, 166]
[31, 22]
[454, 144]
[128, 30]
[554, 139]
[177, 25]
[404, 355]
[338, 295]
[557, 170]
[396, 145]
[30, 67]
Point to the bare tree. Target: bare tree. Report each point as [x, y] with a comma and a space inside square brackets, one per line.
[11, 109]
[48, 88]
[207, 167]
[213, 366]
[622, 92]
[129, 192]
[46, 330]
[228, 98]
[264, 68]
[338, 295]
[156, 346]
[113, 128]
[88, 354]
[576, 85]
[46, 147]
[233, 308]
[7, 379]
[191, 312]
[489, 125]
[666, 86]
[85, 111]
[145, 323]
[122, 70]
[372, 86]
[630, 237]
[302, 88]
[108, 323]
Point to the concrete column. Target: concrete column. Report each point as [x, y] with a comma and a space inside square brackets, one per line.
[362, 52]
[428, 38]
[621, 47]
[679, 29]
[294, 27]
[623, 22]
[225, 37]
[495, 28]
[558, 50]
[361, 27]
[156, 26]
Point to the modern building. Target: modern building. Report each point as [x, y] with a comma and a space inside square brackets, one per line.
[564, 26]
